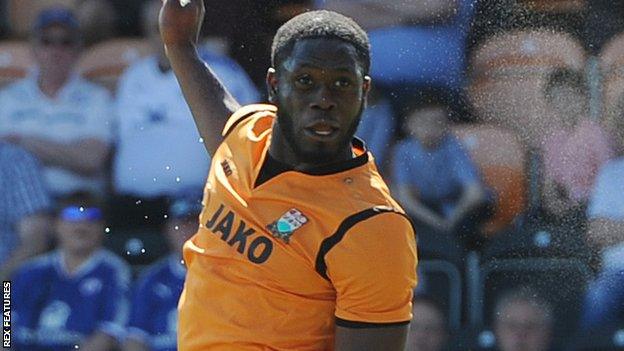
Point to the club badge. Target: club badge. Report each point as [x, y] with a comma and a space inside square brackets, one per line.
[286, 225]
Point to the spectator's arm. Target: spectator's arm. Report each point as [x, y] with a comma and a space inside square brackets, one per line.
[86, 156]
[135, 345]
[419, 211]
[372, 14]
[602, 233]
[210, 103]
[99, 341]
[472, 197]
[33, 232]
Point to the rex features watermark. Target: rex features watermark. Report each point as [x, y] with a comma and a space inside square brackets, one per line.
[6, 314]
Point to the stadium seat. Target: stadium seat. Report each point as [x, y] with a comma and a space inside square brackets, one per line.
[22, 13]
[15, 61]
[507, 77]
[612, 71]
[105, 62]
[501, 160]
[561, 281]
[442, 280]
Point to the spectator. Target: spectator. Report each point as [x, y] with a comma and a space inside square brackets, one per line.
[414, 42]
[62, 119]
[24, 202]
[377, 127]
[434, 177]
[75, 297]
[604, 303]
[428, 329]
[154, 315]
[98, 20]
[574, 151]
[156, 126]
[523, 321]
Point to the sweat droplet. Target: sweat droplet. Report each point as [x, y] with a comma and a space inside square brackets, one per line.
[178, 179]
[81, 209]
[167, 168]
[176, 227]
[201, 140]
[107, 230]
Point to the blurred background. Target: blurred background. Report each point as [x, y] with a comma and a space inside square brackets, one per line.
[498, 124]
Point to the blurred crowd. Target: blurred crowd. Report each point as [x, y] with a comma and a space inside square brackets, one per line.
[499, 126]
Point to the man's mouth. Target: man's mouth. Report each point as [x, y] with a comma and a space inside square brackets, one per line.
[322, 130]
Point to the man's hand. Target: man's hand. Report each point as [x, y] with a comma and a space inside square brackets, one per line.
[180, 21]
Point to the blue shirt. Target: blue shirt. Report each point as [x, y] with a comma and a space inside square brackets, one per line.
[438, 175]
[607, 201]
[55, 311]
[22, 193]
[377, 129]
[154, 314]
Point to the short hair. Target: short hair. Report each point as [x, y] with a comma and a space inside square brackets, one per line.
[566, 77]
[320, 24]
[524, 294]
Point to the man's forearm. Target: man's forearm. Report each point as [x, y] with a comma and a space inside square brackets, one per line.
[206, 96]
[472, 197]
[82, 157]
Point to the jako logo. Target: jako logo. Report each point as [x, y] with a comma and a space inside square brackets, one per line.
[259, 248]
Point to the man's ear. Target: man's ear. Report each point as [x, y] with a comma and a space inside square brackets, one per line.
[366, 88]
[271, 82]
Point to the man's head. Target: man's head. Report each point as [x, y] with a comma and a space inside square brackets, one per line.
[428, 331]
[79, 224]
[319, 81]
[56, 42]
[182, 219]
[523, 321]
[567, 94]
[427, 119]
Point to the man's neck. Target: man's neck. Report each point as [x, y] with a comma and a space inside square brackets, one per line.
[73, 261]
[51, 85]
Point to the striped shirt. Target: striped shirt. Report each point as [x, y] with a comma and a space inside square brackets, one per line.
[22, 193]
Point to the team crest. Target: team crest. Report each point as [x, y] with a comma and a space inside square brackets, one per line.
[286, 225]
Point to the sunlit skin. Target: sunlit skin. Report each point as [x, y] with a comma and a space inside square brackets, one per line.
[427, 331]
[56, 49]
[320, 91]
[429, 125]
[522, 326]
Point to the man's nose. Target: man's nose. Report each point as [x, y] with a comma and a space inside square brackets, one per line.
[323, 100]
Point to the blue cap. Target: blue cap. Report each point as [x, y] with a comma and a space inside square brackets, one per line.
[186, 205]
[56, 15]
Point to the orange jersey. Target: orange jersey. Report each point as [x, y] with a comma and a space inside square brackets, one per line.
[276, 266]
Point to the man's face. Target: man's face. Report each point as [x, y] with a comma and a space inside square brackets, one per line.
[320, 90]
[56, 49]
[79, 237]
[522, 326]
[568, 104]
[427, 331]
[428, 125]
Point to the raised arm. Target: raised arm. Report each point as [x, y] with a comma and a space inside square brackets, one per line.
[211, 104]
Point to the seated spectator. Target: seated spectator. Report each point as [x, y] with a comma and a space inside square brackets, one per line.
[433, 175]
[604, 303]
[428, 329]
[575, 149]
[59, 117]
[74, 297]
[153, 314]
[24, 203]
[156, 126]
[523, 321]
[377, 127]
[413, 42]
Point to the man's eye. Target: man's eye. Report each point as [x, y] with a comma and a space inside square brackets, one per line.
[343, 83]
[304, 80]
